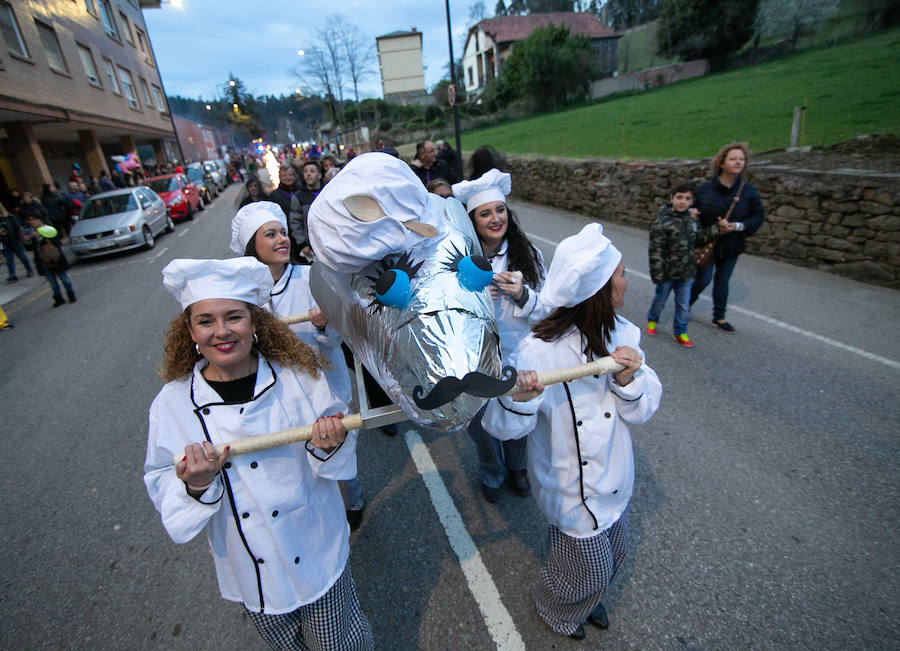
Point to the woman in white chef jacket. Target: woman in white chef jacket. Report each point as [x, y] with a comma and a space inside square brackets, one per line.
[274, 519]
[518, 273]
[260, 230]
[579, 447]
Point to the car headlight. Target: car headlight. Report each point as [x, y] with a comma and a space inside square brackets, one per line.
[125, 230]
[78, 239]
[177, 200]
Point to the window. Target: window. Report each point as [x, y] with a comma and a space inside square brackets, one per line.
[111, 76]
[142, 44]
[128, 87]
[90, 6]
[160, 104]
[145, 91]
[126, 27]
[51, 47]
[87, 61]
[10, 30]
[106, 15]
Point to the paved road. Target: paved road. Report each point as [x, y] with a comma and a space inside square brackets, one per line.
[765, 512]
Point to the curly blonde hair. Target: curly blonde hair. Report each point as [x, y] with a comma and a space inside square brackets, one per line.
[716, 167]
[276, 343]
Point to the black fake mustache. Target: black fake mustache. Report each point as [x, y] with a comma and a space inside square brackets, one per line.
[474, 383]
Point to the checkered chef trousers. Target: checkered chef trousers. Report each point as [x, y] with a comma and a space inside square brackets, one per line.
[576, 573]
[333, 622]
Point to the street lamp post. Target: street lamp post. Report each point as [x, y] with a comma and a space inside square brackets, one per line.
[453, 80]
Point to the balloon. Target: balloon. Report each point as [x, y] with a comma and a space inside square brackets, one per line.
[47, 231]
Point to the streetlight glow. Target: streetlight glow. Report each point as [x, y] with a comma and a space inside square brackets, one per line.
[208, 107]
[301, 52]
[231, 83]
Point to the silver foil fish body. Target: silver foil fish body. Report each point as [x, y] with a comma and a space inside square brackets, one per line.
[445, 330]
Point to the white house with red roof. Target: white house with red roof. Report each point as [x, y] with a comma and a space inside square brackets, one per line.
[491, 40]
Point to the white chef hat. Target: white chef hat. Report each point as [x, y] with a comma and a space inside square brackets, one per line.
[582, 265]
[248, 220]
[243, 279]
[493, 185]
[347, 243]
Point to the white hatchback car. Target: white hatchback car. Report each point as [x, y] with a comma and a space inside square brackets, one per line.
[119, 220]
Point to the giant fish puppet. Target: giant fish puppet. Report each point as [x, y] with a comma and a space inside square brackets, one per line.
[400, 275]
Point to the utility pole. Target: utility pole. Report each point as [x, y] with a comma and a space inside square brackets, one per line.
[451, 95]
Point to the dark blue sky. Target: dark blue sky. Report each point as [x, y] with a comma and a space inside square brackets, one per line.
[197, 42]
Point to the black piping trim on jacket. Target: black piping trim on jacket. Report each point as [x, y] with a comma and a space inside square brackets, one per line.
[286, 282]
[512, 411]
[578, 448]
[628, 399]
[237, 519]
[236, 402]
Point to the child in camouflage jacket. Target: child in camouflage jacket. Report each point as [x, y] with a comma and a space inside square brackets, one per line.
[673, 237]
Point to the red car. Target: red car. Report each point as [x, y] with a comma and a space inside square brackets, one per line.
[180, 194]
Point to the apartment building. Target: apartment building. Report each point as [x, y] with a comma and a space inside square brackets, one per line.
[78, 83]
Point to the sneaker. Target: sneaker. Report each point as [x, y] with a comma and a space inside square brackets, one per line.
[8, 326]
[684, 340]
[651, 327]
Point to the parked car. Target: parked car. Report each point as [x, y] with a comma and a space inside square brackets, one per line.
[198, 174]
[182, 196]
[213, 169]
[223, 168]
[119, 220]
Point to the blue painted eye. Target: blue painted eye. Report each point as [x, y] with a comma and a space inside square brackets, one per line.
[393, 288]
[475, 272]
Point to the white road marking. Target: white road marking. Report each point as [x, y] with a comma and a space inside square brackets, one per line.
[161, 251]
[497, 619]
[771, 321]
[183, 231]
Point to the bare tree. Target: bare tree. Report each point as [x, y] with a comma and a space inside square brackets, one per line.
[792, 18]
[358, 54]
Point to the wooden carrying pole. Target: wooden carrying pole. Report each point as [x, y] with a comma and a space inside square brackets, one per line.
[355, 421]
[295, 318]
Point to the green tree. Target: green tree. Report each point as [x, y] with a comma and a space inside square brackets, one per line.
[550, 68]
[549, 6]
[704, 29]
[517, 8]
[623, 14]
[242, 114]
[500, 9]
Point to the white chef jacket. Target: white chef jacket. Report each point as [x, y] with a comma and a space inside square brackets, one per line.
[290, 296]
[579, 448]
[274, 519]
[514, 322]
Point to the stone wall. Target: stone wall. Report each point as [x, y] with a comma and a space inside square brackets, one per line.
[846, 222]
[649, 78]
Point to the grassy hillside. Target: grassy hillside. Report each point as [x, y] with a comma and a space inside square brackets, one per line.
[850, 89]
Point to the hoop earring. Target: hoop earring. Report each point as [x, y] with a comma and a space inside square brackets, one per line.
[255, 338]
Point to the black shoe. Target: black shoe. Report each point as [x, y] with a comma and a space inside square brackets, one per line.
[354, 518]
[490, 494]
[598, 617]
[723, 324]
[58, 300]
[578, 634]
[30, 273]
[518, 481]
[12, 279]
[72, 298]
